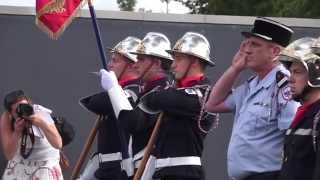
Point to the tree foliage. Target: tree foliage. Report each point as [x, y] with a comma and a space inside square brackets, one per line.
[283, 8]
[126, 5]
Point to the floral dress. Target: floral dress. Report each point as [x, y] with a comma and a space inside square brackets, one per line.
[42, 164]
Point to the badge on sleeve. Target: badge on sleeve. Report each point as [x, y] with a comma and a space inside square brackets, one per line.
[286, 93]
[282, 79]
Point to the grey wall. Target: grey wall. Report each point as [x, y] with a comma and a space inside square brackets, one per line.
[56, 73]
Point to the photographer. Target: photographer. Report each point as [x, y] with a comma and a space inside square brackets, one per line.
[29, 139]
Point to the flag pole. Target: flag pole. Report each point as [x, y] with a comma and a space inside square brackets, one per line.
[97, 33]
[149, 148]
[124, 149]
[86, 149]
[94, 129]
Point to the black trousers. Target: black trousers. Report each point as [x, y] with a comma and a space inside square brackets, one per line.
[274, 175]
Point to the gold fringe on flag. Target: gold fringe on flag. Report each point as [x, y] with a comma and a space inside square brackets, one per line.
[55, 35]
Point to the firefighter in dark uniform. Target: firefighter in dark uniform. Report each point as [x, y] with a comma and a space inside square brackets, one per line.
[179, 146]
[112, 160]
[301, 152]
[316, 49]
[152, 66]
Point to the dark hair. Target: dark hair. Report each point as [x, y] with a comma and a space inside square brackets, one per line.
[13, 97]
[165, 65]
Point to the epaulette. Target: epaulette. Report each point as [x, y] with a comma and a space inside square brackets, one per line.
[250, 78]
[282, 79]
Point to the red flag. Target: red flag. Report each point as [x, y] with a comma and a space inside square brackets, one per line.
[53, 16]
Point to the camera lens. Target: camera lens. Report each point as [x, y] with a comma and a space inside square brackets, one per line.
[24, 110]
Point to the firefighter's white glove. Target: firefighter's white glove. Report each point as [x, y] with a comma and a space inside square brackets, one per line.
[108, 79]
[118, 98]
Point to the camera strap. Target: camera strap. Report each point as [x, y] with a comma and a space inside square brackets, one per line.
[28, 131]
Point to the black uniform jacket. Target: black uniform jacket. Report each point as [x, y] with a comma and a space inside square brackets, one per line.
[111, 138]
[182, 130]
[301, 156]
[140, 122]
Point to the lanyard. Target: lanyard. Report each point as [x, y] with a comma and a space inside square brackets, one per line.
[28, 131]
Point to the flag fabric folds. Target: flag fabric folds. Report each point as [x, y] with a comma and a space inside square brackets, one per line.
[53, 16]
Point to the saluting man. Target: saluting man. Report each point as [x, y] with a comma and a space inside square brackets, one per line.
[111, 161]
[179, 146]
[262, 106]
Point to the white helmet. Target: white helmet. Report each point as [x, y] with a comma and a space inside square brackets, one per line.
[126, 46]
[297, 49]
[154, 44]
[301, 51]
[193, 44]
[316, 46]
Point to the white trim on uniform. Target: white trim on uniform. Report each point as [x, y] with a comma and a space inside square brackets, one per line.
[302, 132]
[178, 161]
[137, 163]
[110, 157]
[139, 155]
[137, 158]
[127, 165]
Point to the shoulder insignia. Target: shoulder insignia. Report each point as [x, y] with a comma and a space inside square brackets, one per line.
[190, 91]
[282, 79]
[286, 93]
[251, 78]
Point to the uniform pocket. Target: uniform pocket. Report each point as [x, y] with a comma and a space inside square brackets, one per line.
[261, 113]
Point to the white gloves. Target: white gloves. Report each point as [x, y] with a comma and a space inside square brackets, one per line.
[118, 98]
[108, 79]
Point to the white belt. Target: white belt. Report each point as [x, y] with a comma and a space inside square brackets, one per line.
[137, 163]
[127, 165]
[301, 132]
[178, 161]
[137, 158]
[139, 155]
[110, 157]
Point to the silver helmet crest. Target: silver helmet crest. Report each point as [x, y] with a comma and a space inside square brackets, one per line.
[301, 51]
[193, 44]
[124, 47]
[297, 49]
[154, 44]
[316, 47]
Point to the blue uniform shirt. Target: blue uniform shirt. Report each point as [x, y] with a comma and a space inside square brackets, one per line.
[263, 112]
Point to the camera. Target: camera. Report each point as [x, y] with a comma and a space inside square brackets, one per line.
[24, 110]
